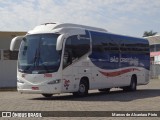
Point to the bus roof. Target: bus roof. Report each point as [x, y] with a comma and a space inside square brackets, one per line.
[48, 27]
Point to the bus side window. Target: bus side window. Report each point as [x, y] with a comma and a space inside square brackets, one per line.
[75, 49]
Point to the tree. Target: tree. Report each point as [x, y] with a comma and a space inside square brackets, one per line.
[150, 33]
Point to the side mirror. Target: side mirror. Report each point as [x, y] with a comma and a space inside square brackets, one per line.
[60, 42]
[15, 43]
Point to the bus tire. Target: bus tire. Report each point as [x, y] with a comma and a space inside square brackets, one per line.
[83, 89]
[133, 84]
[47, 95]
[107, 90]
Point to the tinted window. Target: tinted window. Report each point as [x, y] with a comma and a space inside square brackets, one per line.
[10, 55]
[157, 47]
[103, 42]
[75, 48]
[154, 48]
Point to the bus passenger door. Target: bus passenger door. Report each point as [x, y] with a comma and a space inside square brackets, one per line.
[76, 50]
[67, 72]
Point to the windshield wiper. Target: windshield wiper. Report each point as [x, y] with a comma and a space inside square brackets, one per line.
[37, 60]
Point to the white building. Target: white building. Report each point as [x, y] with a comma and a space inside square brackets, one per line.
[8, 60]
[154, 42]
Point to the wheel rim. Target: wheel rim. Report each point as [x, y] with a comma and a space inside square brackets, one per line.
[82, 88]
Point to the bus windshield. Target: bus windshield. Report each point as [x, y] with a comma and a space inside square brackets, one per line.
[38, 54]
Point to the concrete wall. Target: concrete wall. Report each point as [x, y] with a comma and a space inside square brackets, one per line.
[8, 68]
[155, 71]
[6, 37]
[8, 73]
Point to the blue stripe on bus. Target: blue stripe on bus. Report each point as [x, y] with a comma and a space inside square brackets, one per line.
[112, 61]
[105, 58]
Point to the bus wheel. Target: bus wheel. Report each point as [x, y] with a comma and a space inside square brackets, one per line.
[83, 89]
[47, 95]
[133, 84]
[104, 90]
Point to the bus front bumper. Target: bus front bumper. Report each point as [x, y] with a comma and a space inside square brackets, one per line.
[39, 89]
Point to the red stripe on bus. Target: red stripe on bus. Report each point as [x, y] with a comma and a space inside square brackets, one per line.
[117, 73]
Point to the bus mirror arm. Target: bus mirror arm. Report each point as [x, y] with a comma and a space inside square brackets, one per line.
[60, 42]
[15, 43]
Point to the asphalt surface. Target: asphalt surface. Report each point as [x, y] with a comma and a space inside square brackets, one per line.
[146, 98]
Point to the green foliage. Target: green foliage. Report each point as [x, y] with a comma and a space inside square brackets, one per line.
[150, 33]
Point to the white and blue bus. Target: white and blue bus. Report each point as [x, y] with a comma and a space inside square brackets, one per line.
[68, 58]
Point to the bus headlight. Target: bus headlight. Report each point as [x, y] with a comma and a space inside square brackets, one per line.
[54, 81]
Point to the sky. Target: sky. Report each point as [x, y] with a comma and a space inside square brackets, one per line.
[127, 17]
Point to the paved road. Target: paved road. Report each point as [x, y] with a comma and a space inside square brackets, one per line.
[146, 98]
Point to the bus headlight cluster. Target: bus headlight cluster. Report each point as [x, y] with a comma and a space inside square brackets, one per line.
[54, 81]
